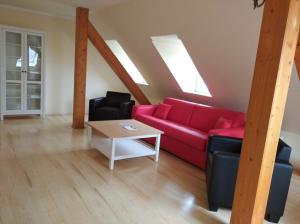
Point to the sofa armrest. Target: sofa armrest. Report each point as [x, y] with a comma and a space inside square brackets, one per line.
[126, 109]
[229, 132]
[218, 143]
[143, 109]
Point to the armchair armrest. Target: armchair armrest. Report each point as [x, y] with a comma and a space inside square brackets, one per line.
[280, 184]
[221, 178]
[126, 109]
[93, 104]
[96, 102]
[143, 109]
[224, 144]
[229, 132]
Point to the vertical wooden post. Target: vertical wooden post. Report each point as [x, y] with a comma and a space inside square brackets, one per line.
[276, 52]
[81, 44]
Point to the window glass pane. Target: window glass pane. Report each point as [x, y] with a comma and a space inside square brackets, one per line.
[132, 70]
[180, 64]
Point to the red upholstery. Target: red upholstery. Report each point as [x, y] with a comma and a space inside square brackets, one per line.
[223, 123]
[162, 111]
[192, 137]
[188, 126]
[181, 111]
[230, 132]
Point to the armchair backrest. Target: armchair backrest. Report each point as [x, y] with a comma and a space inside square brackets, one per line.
[115, 99]
[234, 145]
[222, 143]
[283, 151]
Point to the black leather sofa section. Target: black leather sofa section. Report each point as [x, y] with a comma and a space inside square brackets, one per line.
[222, 168]
[114, 106]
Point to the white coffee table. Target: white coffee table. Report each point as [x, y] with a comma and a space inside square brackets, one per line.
[117, 142]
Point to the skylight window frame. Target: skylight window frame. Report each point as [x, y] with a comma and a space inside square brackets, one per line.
[173, 53]
[126, 62]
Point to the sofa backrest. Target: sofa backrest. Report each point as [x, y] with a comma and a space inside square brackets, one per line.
[201, 117]
[205, 117]
[181, 111]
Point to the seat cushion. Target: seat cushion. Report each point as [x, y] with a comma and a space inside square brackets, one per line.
[190, 136]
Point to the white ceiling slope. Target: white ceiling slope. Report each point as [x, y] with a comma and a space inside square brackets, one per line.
[221, 37]
[61, 8]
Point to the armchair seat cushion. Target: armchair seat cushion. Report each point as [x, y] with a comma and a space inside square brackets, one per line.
[188, 135]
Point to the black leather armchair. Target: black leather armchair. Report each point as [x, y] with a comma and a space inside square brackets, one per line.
[222, 168]
[115, 106]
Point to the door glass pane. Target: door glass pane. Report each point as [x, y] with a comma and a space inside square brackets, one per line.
[33, 96]
[13, 56]
[34, 44]
[13, 96]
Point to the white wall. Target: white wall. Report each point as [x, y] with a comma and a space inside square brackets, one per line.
[222, 39]
[59, 59]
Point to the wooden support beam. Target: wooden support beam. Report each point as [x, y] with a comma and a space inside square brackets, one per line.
[81, 44]
[276, 52]
[113, 61]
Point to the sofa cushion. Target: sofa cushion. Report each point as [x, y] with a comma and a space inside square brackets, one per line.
[181, 111]
[223, 123]
[162, 111]
[188, 135]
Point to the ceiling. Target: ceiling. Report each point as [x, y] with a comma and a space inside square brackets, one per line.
[61, 8]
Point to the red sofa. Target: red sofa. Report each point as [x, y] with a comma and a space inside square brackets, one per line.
[188, 125]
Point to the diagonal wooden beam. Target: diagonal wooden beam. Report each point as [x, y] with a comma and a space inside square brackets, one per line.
[118, 68]
[81, 44]
[275, 55]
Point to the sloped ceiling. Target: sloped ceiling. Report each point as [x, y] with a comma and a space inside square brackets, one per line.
[61, 8]
[221, 37]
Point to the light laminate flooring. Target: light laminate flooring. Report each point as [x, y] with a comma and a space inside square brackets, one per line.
[49, 175]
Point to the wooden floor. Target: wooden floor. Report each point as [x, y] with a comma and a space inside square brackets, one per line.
[48, 175]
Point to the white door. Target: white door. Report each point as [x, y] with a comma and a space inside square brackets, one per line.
[13, 72]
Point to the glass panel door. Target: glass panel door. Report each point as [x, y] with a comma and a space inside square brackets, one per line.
[33, 96]
[13, 71]
[13, 96]
[34, 70]
[34, 55]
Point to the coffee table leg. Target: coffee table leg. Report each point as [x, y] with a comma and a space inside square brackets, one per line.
[112, 156]
[157, 145]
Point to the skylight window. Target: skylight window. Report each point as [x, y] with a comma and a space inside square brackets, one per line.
[126, 62]
[180, 64]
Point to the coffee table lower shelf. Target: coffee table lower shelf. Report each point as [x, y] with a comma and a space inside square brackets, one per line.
[123, 148]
